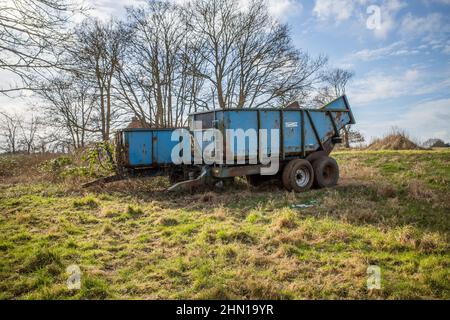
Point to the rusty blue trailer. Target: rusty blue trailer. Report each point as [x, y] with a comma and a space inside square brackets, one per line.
[142, 148]
[305, 138]
[302, 131]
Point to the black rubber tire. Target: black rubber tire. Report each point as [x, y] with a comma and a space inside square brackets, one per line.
[291, 175]
[285, 176]
[326, 172]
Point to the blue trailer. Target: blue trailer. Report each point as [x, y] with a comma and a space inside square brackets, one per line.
[144, 148]
[305, 138]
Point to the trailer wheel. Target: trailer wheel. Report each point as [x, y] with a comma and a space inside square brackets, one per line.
[298, 175]
[326, 172]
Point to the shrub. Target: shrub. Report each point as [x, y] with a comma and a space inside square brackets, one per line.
[7, 164]
[55, 165]
[99, 159]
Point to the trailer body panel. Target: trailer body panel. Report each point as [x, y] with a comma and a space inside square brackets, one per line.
[163, 146]
[302, 131]
[242, 121]
[148, 147]
[291, 137]
[269, 120]
[139, 147]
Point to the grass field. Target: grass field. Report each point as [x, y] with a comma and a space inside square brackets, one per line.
[132, 240]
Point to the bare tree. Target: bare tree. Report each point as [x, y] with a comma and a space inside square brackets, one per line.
[146, 81]
[354, 136]
[9, 130]
[167, 60]
[250, 59]
[98, 52]
[435, 143]
[32, 35]
[69, 105]
[28, 129]
[337, 79]
[170, 60]
[154, 81]
[323, 96]
[47, 140]
[335, 83]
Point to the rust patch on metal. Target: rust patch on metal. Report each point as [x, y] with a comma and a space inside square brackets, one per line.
[236, 171]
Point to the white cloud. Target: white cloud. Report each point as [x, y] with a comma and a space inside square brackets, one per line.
[339, 10]
[398, 48]
[433, 30]
[104, 9]
[411, 75]
[424, 120]
[446, 2]
[389, 10]
[427, 119]
[446, 49]
[281, 9]
[378, 86]
[430, 119]
[413, 26]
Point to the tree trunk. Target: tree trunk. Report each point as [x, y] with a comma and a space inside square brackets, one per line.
[346, 137]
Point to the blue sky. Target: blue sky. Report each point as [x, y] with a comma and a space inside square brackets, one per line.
[401, 63]
[402, 67]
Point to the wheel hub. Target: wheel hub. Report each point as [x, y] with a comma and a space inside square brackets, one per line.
[302, 177]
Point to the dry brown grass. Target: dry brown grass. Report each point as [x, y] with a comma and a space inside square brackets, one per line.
[285, 220]
[395, 140]
[425, 242]
[417, 190]
[353, 170]
[23, 168]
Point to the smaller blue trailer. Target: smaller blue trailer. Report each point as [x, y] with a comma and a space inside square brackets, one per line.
[304, 140]
[146, 148]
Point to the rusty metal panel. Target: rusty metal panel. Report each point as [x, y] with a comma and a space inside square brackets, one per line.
[162, 147]
[269, 120]
[324, 126]
[235, 171]
[302, 131]
[139, 145]
[292, 132]
[341, 118]
[244, 120]
[147, 147]
[207, 119]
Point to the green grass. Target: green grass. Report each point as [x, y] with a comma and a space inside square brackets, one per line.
[132, 240]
